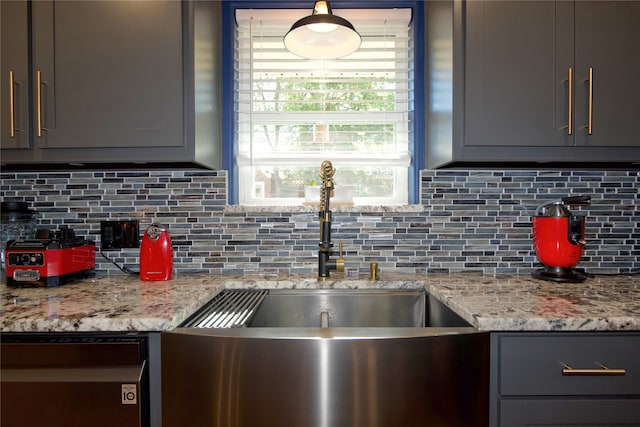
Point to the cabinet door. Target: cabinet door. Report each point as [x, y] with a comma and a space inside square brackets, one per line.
[567, 412]
[109, 75]
[14, 83]
[517, 57]
[607, 36]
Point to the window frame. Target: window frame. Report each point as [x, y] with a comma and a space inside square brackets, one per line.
[417, 102]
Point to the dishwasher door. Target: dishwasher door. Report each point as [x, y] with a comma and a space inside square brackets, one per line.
[325, 377]
[57, 381]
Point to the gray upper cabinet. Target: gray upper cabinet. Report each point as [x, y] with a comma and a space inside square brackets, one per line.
[521, 90]
[607, 35]
[517, 56]
[115, 82]
[14, 81]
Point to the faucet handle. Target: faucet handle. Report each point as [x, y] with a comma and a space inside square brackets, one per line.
[340, 260]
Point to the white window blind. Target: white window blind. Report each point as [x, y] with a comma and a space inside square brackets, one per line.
[293, 113]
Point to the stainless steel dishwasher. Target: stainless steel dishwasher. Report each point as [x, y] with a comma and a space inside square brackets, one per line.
[68, 380]
[328, 374]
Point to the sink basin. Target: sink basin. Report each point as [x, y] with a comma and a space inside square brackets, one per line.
[325, 308]
[299, 308]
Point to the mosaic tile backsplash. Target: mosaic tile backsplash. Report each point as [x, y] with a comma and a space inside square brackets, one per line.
[466, 220]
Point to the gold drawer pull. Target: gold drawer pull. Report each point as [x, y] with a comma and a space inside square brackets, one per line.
[602, 371]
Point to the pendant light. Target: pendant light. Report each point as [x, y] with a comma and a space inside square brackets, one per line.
[322, 35]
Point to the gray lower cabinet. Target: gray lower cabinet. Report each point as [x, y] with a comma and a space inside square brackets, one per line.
[109, 82]
[540, 81]
[565, 379]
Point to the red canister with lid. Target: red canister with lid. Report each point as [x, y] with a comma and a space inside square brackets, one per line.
[156, 254]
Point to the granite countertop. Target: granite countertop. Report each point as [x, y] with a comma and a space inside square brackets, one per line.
[105, 303]
[490, 303]
[521, 303]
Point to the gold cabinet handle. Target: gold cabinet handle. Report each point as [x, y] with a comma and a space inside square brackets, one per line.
[590, 123]
[570, 84]
[602, 371]
[39, 106]
[12, 116]
[39, 102]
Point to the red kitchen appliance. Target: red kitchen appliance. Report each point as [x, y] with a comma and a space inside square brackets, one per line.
[156, 254]
[558, 238]
[53, 258]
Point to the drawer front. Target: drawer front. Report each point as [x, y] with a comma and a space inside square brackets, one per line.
[568, 412]
[533, 364]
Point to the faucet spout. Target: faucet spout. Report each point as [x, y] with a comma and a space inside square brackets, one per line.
[325, 263]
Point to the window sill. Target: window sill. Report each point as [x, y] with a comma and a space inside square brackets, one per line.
[336, 209]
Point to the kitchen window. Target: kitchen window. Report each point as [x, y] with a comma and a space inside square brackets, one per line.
[290, 113]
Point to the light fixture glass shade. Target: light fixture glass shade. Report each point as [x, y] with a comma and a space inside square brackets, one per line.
[322, 35]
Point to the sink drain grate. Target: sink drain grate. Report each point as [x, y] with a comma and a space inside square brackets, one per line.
[231, 308]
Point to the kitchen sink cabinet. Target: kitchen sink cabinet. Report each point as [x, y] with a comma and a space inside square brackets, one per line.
[109, 82]
[542, 81]
[565, 378]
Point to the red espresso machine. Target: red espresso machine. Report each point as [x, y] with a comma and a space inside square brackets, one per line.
[156, 254]
[558, 238]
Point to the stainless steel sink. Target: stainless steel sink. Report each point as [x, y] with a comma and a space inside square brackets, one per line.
[325, 308]
[341, 308]
[325, 357]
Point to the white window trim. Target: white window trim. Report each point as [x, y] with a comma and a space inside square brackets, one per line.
[370, 18]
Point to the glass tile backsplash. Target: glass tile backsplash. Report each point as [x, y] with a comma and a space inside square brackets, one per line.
[467, 220]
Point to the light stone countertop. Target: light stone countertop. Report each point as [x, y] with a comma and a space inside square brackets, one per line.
[489, 303]
[521, 303]
[105, 303]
